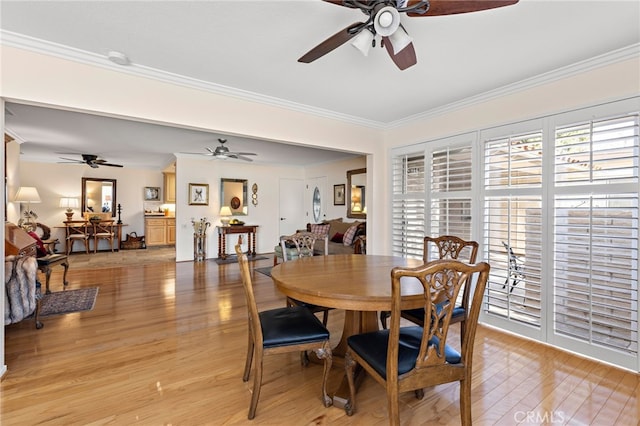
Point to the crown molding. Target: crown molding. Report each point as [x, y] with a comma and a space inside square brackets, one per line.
[21, 41]
[619, 55]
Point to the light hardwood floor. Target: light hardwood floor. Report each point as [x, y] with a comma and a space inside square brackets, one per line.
[165, 344]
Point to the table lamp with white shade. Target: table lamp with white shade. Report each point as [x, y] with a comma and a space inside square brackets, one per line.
[27, 194]
[225, 214]
[69, 203]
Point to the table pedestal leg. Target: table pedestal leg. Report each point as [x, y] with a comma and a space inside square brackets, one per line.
[355, 322]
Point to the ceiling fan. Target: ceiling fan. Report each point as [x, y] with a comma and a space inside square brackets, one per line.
[223, 152]
[91, 160]
[384, 21]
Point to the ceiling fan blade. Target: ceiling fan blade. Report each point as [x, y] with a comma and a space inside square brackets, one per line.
[208, 154]
[242, 157]
[453, 7]
[242, 153]
[72, 160]
[110, 165]
[336, 40]
[404, 58]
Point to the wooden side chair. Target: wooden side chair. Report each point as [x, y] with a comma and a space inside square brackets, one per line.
[443, 247]
[280, 330]
[77, 230]
[47, 258]
[103, 230]
[304, 243]
[418, 357]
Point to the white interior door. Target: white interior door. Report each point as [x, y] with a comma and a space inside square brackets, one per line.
[292, 211]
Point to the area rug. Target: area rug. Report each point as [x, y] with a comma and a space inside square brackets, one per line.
[68, 301]
[266, 270]
[234, 259]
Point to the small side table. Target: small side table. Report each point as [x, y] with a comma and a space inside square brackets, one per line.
[223, 231]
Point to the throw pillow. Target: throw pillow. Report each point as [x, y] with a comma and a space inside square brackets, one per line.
[347, 240]
[317, 228]
[337, 238]
[41, 250]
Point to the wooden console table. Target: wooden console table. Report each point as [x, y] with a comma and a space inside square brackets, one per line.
[223, 231]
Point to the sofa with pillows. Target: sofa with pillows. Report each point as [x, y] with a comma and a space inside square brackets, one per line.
[344, 237]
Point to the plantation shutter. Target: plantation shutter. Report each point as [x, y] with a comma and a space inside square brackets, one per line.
[450, 195]
[408, 204]
[513, 226]
[596, 233]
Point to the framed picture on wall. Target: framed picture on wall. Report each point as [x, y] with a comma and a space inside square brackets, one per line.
[338, 195]
[151, 193]
[198, 194]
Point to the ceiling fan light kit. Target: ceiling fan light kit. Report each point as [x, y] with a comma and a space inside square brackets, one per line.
[384, 20]
[363, 42]
[222, 152]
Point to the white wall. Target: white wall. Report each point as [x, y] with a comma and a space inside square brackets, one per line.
[265, 214]
[336, 174]
[65, 180]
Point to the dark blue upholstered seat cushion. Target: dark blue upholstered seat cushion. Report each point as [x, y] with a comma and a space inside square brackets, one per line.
[458, 311]
[372, 347]
[290, 326]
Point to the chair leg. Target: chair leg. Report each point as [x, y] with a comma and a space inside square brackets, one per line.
[327, 356]
[257, 382]
[350, 369]
[394, 405]
[465, 401]
[384, 315]
[247, 365]
[325, 317]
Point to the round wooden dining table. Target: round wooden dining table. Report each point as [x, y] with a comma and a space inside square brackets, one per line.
[359, 284]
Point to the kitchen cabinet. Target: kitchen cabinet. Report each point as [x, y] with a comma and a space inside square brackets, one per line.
[170, 188]
[171, 231]
[160, 231]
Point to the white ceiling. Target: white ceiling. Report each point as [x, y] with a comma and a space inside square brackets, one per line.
[250, 49]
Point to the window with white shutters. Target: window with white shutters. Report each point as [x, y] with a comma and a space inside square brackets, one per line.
[596, 233]
[450, 195]
[512, 226]
[408, 205]
[555, 204]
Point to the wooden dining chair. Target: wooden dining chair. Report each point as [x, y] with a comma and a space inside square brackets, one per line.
[418, 357]
[280, 330]
[304, 243]
[103, 230]
[76, 230]
[443, 247]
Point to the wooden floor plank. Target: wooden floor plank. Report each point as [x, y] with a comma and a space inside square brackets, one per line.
[165, 344]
